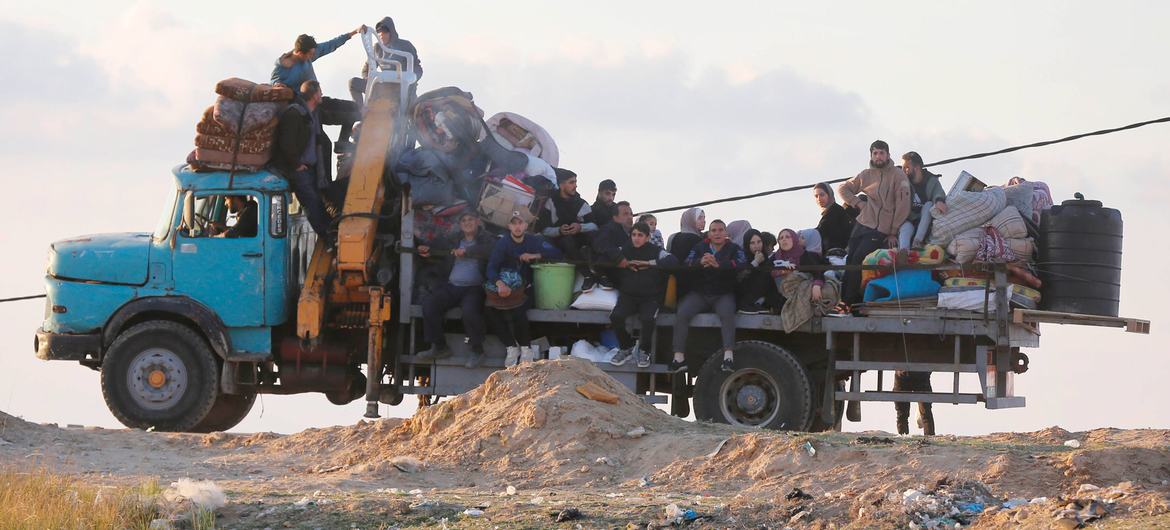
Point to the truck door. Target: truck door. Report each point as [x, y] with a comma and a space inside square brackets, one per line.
[220, 267]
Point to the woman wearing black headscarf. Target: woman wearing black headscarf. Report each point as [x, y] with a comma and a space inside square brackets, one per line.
[756, 292]
[836, 222]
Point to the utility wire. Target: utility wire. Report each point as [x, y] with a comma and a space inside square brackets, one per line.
[933, 164]
[19, 298]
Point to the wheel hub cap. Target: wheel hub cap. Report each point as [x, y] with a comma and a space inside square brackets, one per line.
[157, 379]
[751, 399]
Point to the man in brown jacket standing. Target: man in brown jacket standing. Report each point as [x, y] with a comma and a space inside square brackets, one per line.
[882, 193]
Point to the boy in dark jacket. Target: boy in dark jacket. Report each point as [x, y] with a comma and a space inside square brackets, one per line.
[718, 260]
[640, 288]
[465, 253]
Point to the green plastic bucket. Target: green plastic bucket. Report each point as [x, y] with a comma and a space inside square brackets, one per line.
[554, 285]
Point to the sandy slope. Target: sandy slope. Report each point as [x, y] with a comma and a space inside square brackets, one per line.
[528, 428]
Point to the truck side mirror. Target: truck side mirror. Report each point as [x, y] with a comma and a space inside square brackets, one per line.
[189, 213]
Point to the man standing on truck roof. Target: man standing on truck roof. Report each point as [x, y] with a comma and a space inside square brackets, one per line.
[913, 382]
[882, 193]
[388, 36]
[298, 155]
[466, 253]
[568, 222]
[295, 67]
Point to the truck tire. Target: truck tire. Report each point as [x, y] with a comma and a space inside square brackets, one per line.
[227, 412]
[160, 374]
[769, 388]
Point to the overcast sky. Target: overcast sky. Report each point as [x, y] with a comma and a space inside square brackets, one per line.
[676, 101]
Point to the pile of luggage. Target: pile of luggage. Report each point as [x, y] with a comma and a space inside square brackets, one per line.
[983, 225]
[237, 133]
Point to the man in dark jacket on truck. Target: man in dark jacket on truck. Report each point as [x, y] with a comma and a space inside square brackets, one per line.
[640, 288]
[465, 253]
[567, 222]
[610, 240]
[301, 155]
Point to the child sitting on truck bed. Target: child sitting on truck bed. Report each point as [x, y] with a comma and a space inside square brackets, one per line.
[640, 288]
[509, 274]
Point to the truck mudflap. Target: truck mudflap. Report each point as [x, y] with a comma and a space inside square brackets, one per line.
[67, 346]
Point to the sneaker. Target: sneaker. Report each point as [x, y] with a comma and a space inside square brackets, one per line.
[512, 357]
[436, 352]
[621, 357]
[676, 366]
[605, 283]
[643, 359]
[587, 286]
[728, 365]
[526, 354]
[754, 309]
[474, 360]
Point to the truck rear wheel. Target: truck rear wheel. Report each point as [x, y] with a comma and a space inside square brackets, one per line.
[769, 388]
[160, 374]
[227, 412]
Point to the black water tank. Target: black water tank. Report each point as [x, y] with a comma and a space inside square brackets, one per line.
[1080, 258]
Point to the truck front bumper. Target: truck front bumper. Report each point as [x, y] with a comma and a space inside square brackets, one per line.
[67, 346]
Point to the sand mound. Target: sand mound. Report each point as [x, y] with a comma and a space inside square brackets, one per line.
[527, 423]
[13, 429]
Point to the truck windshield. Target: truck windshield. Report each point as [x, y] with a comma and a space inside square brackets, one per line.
[163, 228]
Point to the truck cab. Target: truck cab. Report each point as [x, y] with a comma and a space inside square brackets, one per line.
[162, 314]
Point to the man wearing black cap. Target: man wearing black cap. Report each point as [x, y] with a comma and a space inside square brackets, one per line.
[295, 67]
[604, 207]
[388, 35]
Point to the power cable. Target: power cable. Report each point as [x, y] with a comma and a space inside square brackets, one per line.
[932, 164]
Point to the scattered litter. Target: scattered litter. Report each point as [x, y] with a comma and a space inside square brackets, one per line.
[607, 461]
[948, 505]
[636, 432]
[594, 391]
[1075, 444]
[645, 482]
[872, 440]
[1014, 503]
[718, 448]
[536, 501]
[910, 496]
[970, 507]
[407, 464]
[615, 495]
[1038, 500]
[797, 494]
[304, 502]
[328, 469]
[473, 512]
[677, 515]
[808, 447]
[568, 514]
[415, 491]
[510, 490]
[202, 493]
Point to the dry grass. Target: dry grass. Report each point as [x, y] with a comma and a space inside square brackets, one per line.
[40, 499]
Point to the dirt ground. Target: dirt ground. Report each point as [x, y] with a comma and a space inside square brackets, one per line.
[526, 447]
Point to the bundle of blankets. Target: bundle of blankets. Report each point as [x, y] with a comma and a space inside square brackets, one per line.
[238, 131]
[995, 225]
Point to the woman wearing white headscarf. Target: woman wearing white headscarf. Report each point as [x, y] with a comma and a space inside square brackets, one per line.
[691, 226]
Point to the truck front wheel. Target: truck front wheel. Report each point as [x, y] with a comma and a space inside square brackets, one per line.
[160, 374]
[769, 388]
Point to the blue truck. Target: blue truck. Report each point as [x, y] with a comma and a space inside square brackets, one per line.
[186, 326]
